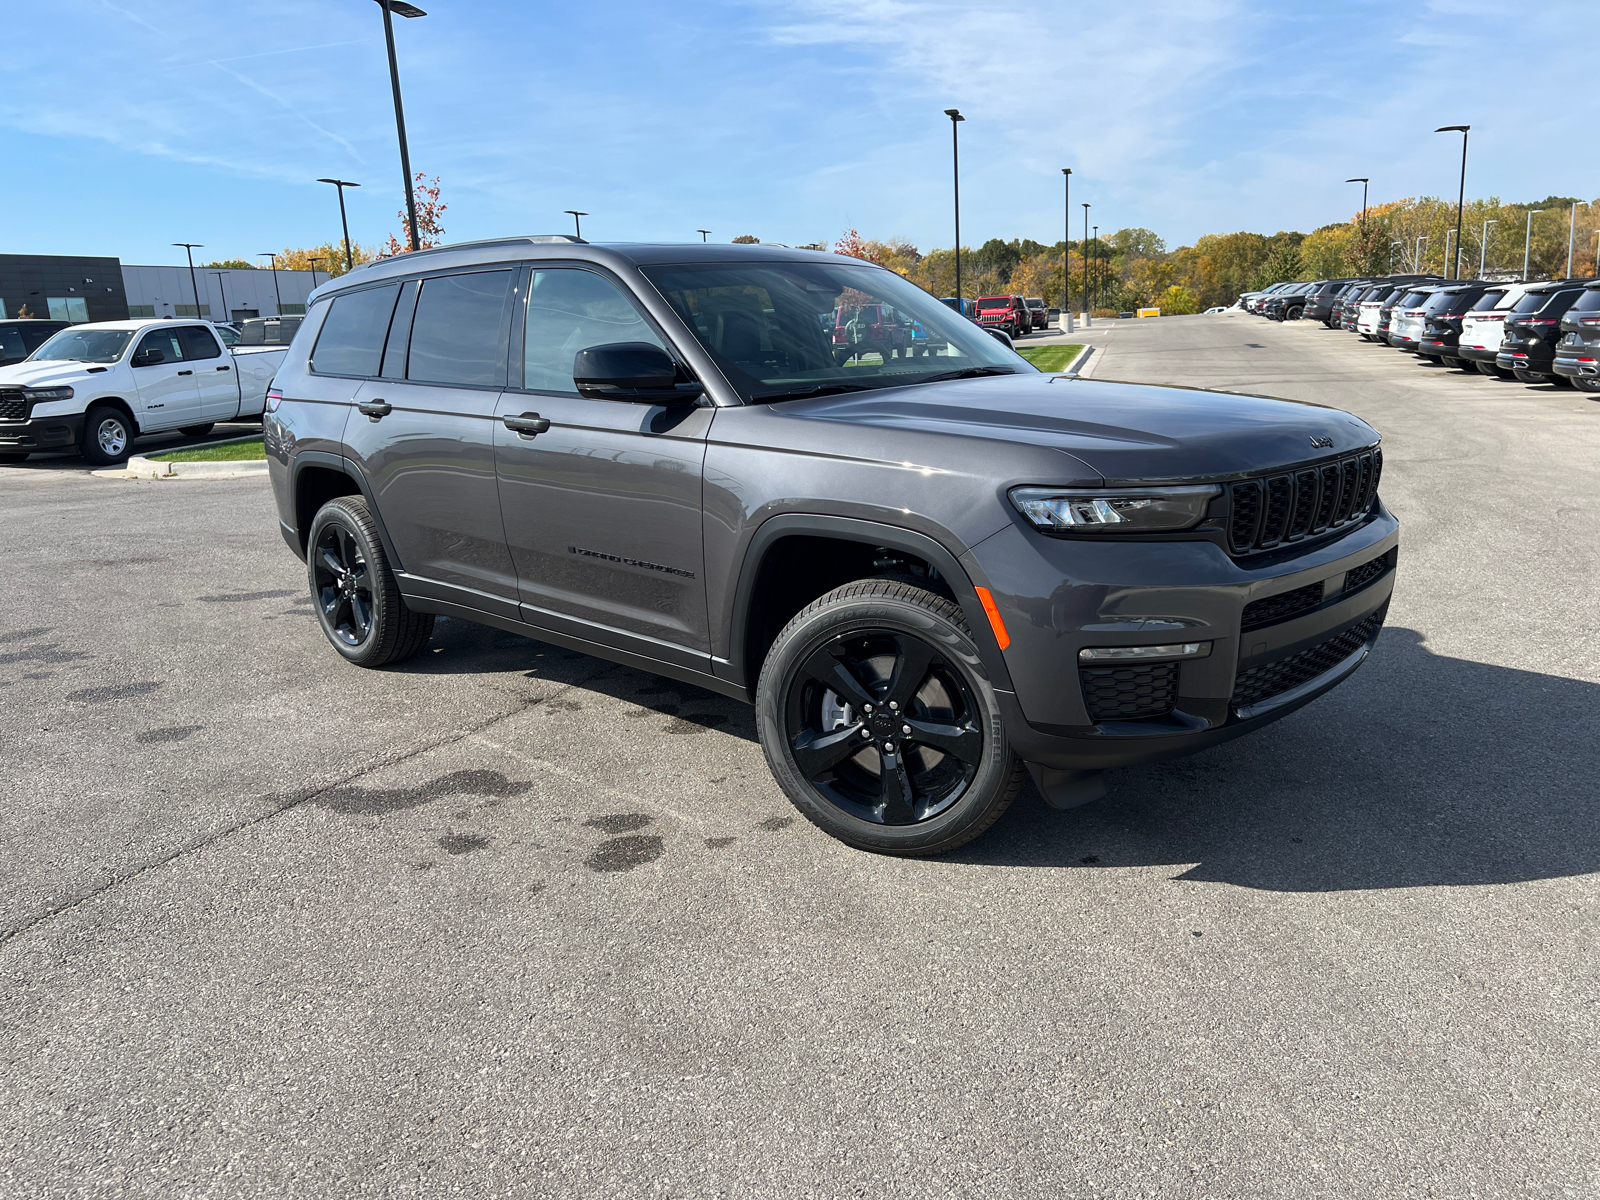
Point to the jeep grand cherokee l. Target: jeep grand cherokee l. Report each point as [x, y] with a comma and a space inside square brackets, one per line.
[931, 575]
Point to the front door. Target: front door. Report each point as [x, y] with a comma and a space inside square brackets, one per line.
[602, 509]
[424, 437]
[213, 373]
[168, 395]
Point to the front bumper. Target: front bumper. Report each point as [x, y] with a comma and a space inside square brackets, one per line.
[38, 434]
[1061, 597]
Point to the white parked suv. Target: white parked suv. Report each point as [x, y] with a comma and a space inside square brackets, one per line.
[1482, 330]
[97, 387]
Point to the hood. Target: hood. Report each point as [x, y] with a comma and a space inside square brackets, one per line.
[49, 373]
[1126, 432]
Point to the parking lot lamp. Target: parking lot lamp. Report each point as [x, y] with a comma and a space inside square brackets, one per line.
[955, 170]
[1392, 245]
[276, 294]
[1483, 247]
[313, 259]
[577, 223]
[1086, 309]
[1066, 237]
[704, 234]
[1572, 232]
[1447, 234]
[405, 10]
[341, 184]
[1363, 181]
[1096, 294]
[189, 248]
[1597, 251]
[224, 293]
[1527, 241]
[1461, 198]
[1416, 260]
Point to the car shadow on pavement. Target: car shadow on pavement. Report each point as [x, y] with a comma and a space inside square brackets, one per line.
[1422, 770]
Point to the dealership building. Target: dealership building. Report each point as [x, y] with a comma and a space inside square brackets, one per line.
[76, 288]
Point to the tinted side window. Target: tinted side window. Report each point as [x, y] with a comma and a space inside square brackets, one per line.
[11, 347]
[164, 340]
[1589, 301]
[570, 309]
[455, 336]
[198, 343]
[394, 353]
[351, 341]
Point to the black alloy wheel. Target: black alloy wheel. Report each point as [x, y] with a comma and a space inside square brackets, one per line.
[883, 726]
[356, 597]
[341, 581]
[880, 723]
[1586, 383]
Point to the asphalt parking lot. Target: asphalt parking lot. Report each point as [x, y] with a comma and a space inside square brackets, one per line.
[507, 920]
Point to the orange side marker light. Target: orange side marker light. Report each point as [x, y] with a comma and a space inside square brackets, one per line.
[993, 613]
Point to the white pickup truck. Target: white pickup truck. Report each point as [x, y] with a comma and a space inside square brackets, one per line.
[96, 387]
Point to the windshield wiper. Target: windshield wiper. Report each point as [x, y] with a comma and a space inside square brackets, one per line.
[963, 373]
[820, 389]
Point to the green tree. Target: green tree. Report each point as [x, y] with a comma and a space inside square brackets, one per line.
[231, 264]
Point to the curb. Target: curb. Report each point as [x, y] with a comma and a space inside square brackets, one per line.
[1075, 367]
[140, 467]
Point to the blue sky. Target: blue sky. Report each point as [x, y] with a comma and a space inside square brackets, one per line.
[128, 125]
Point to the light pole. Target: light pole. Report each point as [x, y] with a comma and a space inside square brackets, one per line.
[1483, 247]
[313, 259]
[1392, 245]
[276, 294]
[1572, 232]
[1447, 234]
[955, 174]
[405, 10]
[1416, 261]
[189, 248]
[1066, 238]
[577, 223]
[704, 234]
[1088, 314]
[1363, 181]
[1461, 198]
[224, 293]
[1527, 241]
[1597, 251]
[1095, 295]
[341, 184]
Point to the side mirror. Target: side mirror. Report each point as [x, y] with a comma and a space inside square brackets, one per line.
[634, 371]
[149, 357]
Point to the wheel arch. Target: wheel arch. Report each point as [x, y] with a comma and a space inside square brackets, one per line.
[318, 477]
[767, 595]
[118, 403]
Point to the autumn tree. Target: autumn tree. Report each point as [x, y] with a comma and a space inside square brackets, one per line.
[430, 219]
[231, 264]
[329, 258]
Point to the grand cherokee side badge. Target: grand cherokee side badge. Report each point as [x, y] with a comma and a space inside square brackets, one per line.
[1322, 443]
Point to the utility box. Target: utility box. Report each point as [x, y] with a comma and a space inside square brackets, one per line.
[1149, 312]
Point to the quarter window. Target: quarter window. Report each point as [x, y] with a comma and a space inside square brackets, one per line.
[570, 309]
[455, 336]
[351, 341]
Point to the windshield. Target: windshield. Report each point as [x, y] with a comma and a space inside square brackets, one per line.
[1412, 299]
[784, 329]
[993, 302]
[85, 345]
[1487, 301]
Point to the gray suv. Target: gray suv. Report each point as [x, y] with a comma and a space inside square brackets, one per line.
[932, 568]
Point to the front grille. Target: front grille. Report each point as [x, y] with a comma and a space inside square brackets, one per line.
[1269, 511]
[1359, 577]
[1269, 610]
[12, 406]
[1255, 684]
[1123, 693]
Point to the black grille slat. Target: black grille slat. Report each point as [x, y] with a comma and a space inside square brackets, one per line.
[1275, 523]
[1305, 504]
[1329, 480]
[1269, 610]
[1255, 684]
[1246, 515]
[12, 406]
[1348, 470]
[1129, 692]
[1363, 481]
[1377, 473]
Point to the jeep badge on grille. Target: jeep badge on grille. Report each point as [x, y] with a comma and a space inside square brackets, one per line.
[1322, 443]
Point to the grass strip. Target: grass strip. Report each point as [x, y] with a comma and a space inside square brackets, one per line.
[1049, 358]
[249, 451]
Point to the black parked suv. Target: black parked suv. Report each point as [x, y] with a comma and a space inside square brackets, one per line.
[21, 336]
[1533, 328]
[1578, 352]
[1441, 318]
[932, 572]
[1319, 305]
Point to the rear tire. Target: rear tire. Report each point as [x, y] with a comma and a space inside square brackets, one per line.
[836, 673]
[1492, 371]
[107, 436]
[1527, 376]
[354, 592]
[1586, 385]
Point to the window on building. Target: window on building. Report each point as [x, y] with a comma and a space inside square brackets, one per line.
[69, 308]
[141, 312]
[187, 310]
[4, 312]
[292, 310]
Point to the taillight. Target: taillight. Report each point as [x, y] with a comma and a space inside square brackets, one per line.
[1540, 322]
[1589, 320]
[274, 398]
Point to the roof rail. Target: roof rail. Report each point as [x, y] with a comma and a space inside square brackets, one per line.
[532, 239]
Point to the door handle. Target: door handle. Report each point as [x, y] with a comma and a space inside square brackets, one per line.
[185, 372]
[376, 409]
[527, 425]
[224, 368]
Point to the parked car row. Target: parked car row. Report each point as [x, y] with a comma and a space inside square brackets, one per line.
[1015, 315]
[1544, 332]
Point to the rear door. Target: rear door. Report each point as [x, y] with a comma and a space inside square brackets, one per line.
[602, 509]
[214, 375]
[168, 395]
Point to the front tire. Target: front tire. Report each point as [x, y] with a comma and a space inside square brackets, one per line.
[357, 600]
[107, 436]
[880, 724]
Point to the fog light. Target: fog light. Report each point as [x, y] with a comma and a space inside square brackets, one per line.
[1132, 653]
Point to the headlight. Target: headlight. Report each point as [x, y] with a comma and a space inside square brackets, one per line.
[54, 393]
[1114, 510]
